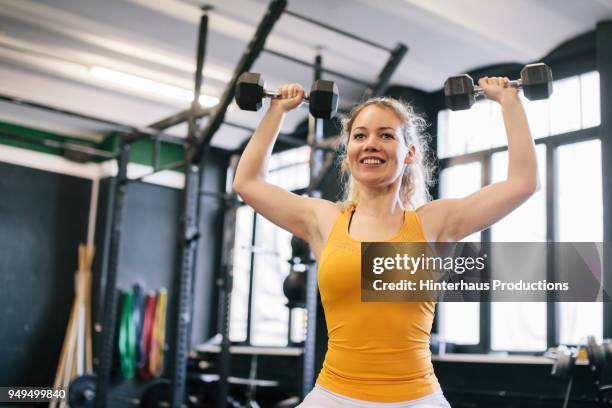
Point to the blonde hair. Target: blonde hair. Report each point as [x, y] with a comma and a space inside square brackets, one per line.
[417, 176]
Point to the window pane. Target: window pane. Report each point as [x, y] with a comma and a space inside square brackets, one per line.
[565, 106]
[591, 110]
[242, 265]
[538, 116]
[459, 322]
[520, 326]
[578, 320]
[579, 195]
[460, 181]
[580, 218]
[290, 169]
[497, 129]
[298, 324]
[528, 222]
[291, 177]
[466, 131]
[269, 314]
[289, 157]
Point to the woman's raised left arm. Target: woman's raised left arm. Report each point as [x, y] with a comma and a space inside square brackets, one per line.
[485, 207]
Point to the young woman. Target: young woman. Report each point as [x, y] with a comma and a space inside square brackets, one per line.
[378, 352]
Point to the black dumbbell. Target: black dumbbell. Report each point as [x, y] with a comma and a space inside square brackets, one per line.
[322, 100]
[536, 83]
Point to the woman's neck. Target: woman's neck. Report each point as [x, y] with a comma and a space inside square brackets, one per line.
[376, 205]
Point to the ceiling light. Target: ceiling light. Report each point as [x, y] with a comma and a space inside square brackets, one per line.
[150, 86]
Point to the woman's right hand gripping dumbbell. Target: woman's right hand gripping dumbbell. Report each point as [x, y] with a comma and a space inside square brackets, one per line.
[294, 213]
[290, 97]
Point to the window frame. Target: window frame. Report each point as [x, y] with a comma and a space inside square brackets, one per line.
[484, 157]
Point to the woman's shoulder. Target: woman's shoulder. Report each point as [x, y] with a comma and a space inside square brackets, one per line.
[328, 209]
[433, 206]
[327, 214]
[433, 216]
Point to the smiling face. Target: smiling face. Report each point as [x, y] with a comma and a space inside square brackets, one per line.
[377, 152]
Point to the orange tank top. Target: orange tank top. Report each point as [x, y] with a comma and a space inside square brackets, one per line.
[377, 351]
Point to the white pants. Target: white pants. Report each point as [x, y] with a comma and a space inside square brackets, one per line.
[320, 397]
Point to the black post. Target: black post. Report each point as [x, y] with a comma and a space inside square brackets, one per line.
[552, 320]
[380, 86]
[252, 51]
[184, 310]
[106, 348]
[485, 239]
[315, 135]
[604, 66]
[190, 236]
[225, 284]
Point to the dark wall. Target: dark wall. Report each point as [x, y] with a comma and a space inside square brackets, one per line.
[43, 218]
[150, 247]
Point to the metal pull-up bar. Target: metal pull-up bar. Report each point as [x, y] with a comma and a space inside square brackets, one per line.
[338, 31]
[312, 65]
[246, 62]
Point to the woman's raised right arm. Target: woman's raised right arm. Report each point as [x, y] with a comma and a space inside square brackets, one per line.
[289, 211]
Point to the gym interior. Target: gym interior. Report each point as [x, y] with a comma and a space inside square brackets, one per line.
[132, 274]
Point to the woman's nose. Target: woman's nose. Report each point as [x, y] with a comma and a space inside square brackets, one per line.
[371, 144]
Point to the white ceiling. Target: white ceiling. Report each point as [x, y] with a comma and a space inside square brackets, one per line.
[48, 47]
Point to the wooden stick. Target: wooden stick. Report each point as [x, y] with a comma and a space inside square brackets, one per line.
[63, 355]
[77, 345]
[69, 360]
[90, 251]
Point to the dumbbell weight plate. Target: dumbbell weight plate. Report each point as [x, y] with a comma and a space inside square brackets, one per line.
[82, 391]
[249, 91]
[323, 99]
[595, 352]
[564, 364]
[459, 92]
[536, 81]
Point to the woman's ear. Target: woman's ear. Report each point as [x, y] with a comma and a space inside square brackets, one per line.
[410, 155]
[344, 165]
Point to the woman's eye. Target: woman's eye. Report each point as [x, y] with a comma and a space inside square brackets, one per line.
[358, 136]
[387, 135]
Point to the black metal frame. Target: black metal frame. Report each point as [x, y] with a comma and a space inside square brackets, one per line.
[189, 239]
[313, 66]
[130, 133]
[195, 149]
[111, 295]
[315, 137]
[77, 148]
[604, 66]
[197, 146]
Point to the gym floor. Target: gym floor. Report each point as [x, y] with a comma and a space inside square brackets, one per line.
[132, 274]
